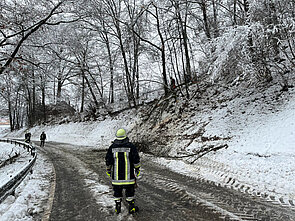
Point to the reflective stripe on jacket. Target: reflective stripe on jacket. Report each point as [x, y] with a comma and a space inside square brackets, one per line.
[122, 157]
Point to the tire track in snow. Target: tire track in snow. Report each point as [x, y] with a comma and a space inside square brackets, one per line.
[229, 203]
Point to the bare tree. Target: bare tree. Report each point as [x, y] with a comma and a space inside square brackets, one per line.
[22, 35]
[153, 9]
[182, 23]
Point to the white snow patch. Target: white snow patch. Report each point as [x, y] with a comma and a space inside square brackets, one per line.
[31, 195]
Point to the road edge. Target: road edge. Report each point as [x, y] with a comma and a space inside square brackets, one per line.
[47, 212]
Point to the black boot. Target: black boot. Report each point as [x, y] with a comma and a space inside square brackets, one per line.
[132, 207]
[118, 206]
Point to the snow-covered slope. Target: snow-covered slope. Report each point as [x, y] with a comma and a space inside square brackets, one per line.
[254, 127]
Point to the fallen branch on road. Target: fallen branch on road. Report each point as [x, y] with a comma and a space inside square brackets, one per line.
[213, 149]
[201, 152]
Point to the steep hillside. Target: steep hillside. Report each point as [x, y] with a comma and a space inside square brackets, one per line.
[212, 118]
[242, 137]
[234, 136]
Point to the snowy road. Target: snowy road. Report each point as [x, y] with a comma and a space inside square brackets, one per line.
[83, 192]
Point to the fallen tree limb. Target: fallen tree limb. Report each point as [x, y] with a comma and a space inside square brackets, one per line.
[213, 149]
[201, 152]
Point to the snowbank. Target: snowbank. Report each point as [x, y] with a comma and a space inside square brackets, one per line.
[31, 196]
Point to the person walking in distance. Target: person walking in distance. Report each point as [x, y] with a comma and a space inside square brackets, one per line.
[42, 139]
[123, 166]
[28, 137]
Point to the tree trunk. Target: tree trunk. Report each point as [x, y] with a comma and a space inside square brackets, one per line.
[246, 6]
[54, 91]
[33, 114]
[29, 107]
[59, 85]
[129, 89]
[135, 80]
[90, 88]
[111, 67]
[10, 115]
[205, 18]
[99, 90]
[82, 94]
[105, 37]
[215, 19]
[185, 45]
[274, 21]
[43, 103]
[17, 112]
[235, 13]
[176, 61]
[163, 55]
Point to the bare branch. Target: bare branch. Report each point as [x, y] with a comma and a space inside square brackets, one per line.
[36, 27]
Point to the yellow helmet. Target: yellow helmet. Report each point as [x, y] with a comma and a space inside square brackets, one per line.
[121, 134]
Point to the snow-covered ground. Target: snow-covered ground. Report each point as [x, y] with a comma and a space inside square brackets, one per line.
[260, 158]
[261, 153]
[10, 170]
[30, 199]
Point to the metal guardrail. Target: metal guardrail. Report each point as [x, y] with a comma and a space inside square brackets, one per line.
[9, 187]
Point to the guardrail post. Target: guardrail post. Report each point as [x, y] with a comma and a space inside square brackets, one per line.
[33, 151]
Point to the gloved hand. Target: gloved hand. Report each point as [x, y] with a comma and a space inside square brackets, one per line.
[137, 173]
[109, 172]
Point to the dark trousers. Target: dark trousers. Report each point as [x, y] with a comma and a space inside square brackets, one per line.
[42, 143]
[129, 191]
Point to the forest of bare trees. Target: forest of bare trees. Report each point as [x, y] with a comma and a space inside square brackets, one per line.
[93, 54]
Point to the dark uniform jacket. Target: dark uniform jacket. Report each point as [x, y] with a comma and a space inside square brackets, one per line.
[122, 157]
[43, 136]
[28, 137]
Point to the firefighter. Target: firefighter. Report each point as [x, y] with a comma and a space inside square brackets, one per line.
[123, 166]
[28, 137]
